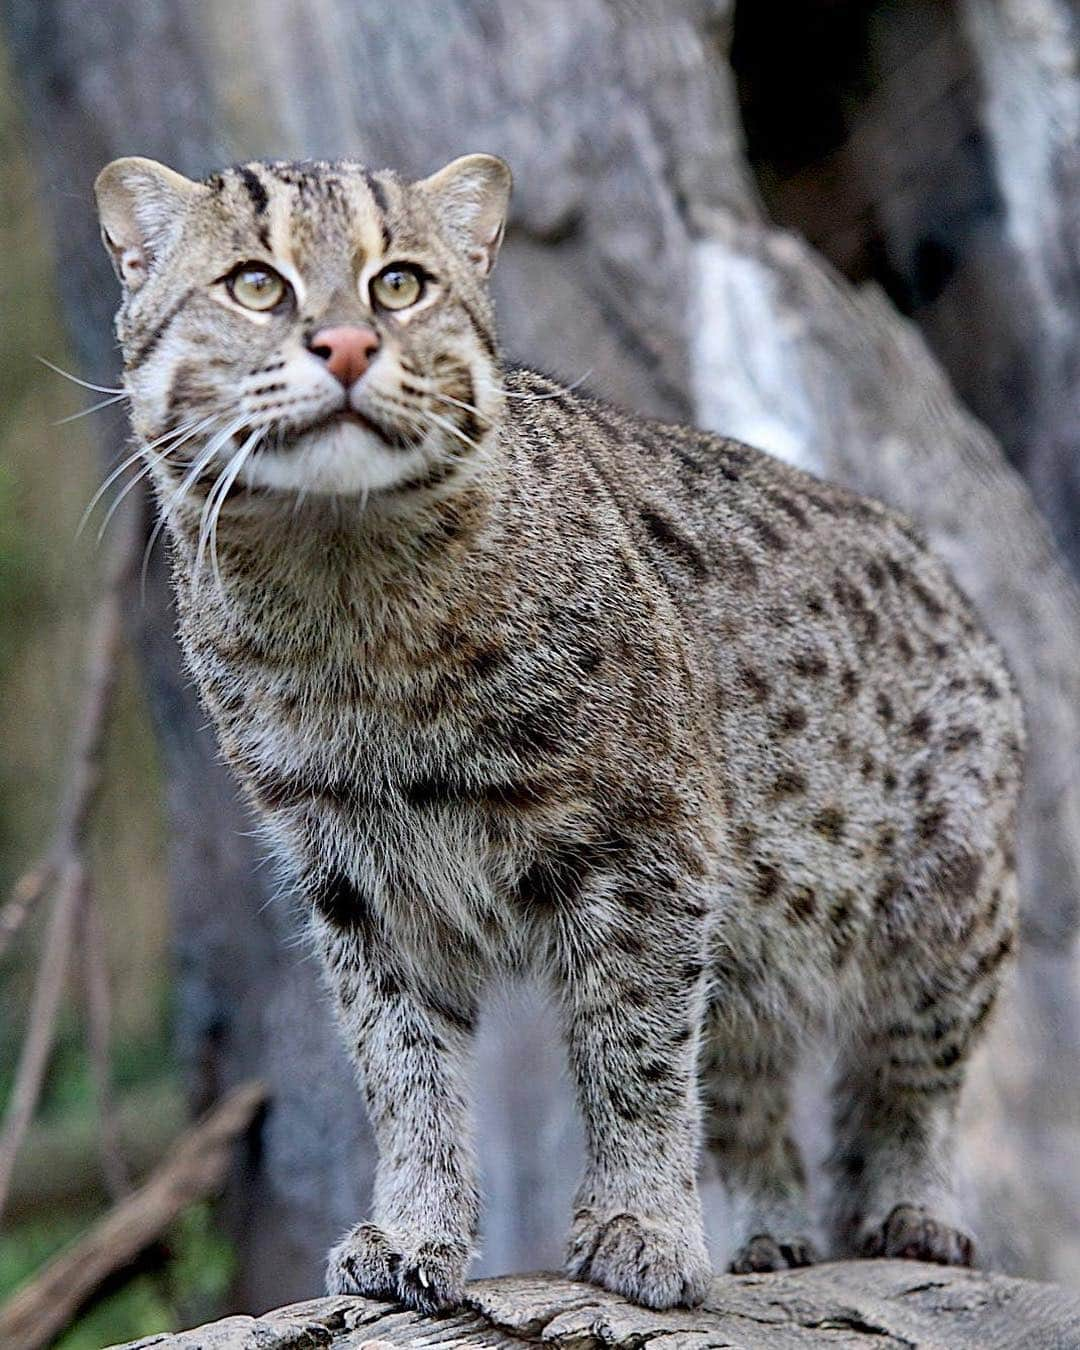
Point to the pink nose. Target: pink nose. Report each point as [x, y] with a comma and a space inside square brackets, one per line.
[347, 350]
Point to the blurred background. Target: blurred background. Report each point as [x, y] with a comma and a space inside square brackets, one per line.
[845, 230]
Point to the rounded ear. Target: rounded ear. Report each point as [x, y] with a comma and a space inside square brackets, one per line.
[470, 196]
[139, 202]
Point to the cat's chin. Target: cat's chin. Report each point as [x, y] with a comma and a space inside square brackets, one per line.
[343, 457]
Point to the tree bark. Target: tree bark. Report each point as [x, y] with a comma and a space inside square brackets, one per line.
[879, 1305]
[638, 255]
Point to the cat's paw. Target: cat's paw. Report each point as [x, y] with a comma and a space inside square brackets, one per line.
[428, 1278]
[911, 1233]
[432, 1278]
[763, 1252]
[654, 1263]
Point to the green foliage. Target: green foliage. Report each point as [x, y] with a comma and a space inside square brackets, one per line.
[188, 1288]
[191, 1280]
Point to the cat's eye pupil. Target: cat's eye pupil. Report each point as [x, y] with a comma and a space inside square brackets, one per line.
[257, 287]
[397, 287]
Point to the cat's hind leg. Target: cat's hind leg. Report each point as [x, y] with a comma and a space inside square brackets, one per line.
[746, 1082]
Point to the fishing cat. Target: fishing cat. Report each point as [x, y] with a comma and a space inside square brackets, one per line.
[514, 680]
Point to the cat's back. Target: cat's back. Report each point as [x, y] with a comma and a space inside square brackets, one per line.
[721, 517]
[813, 609]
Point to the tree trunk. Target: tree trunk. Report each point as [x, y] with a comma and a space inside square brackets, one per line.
[876, 1305]
[638, 256]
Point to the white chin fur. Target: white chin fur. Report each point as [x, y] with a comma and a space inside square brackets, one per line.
[343, 460]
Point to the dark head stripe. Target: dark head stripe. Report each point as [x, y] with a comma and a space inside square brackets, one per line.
[256, 191]
[378, 192]
[146, 348]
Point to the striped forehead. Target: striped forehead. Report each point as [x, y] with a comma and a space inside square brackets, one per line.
[301, 213]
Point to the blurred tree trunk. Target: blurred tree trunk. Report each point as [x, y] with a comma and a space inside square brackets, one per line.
[639, 255]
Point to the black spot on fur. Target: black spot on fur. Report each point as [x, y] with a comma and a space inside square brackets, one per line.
[811, 665]
[789, 783]
[932, 822]
[920, 782]
[340, 902]
[791, 720]
[962, 737]
[754, 683]
[802, 903]
[767, 881]
[559, 875]
[674, 542]
[769, 535]
[920, 726]
[830, 823]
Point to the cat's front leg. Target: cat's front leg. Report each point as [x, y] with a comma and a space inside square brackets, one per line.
[411, 1047]
[631, 990]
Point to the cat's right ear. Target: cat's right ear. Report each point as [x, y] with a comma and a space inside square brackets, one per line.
[139, 202]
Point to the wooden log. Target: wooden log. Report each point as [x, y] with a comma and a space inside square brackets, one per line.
[196, 1168]
[882, 1305]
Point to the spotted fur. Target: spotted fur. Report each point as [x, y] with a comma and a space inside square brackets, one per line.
[515, 680]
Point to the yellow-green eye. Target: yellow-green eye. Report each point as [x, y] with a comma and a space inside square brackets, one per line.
[397, 287]
[257, 287]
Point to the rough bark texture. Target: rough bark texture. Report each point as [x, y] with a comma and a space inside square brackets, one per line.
[882, 1305]
[638, 254]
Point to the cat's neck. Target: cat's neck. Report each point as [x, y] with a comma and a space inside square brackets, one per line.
[336, 572]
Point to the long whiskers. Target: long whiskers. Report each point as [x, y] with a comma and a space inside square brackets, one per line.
[200, 463]
[97, 388]
[222, 488]
[555, 393]
[176, 436]
[85, 412]
[460, 403]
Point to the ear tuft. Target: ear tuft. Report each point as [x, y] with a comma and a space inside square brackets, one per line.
[470, 196]
[139, 203]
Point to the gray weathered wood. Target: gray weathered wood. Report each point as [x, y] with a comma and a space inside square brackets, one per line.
[882, 1305]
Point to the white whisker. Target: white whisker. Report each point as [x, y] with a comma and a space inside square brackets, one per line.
[447, 425]
[97, 388]
[200, 462]
[539, 398]
[136, 454]
[152, 462]
[96, 407]
[226, 481]
[460, 403]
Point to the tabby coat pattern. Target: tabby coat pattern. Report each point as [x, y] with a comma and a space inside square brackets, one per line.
[517, 681]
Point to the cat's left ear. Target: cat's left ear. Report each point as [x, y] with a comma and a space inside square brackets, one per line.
[470, 197]
[139, 204]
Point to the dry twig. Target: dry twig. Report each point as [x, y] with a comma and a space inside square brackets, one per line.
[44, 1009]
[95, 973]
[196, 1168]
[84, 779]
[64, 865]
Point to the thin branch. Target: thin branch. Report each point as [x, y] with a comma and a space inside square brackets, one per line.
[27, 892]
[196, 1168]
[44, 1010]
[95, 971]
[84, 776]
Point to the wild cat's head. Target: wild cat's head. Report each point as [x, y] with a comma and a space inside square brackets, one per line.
[309, 328]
